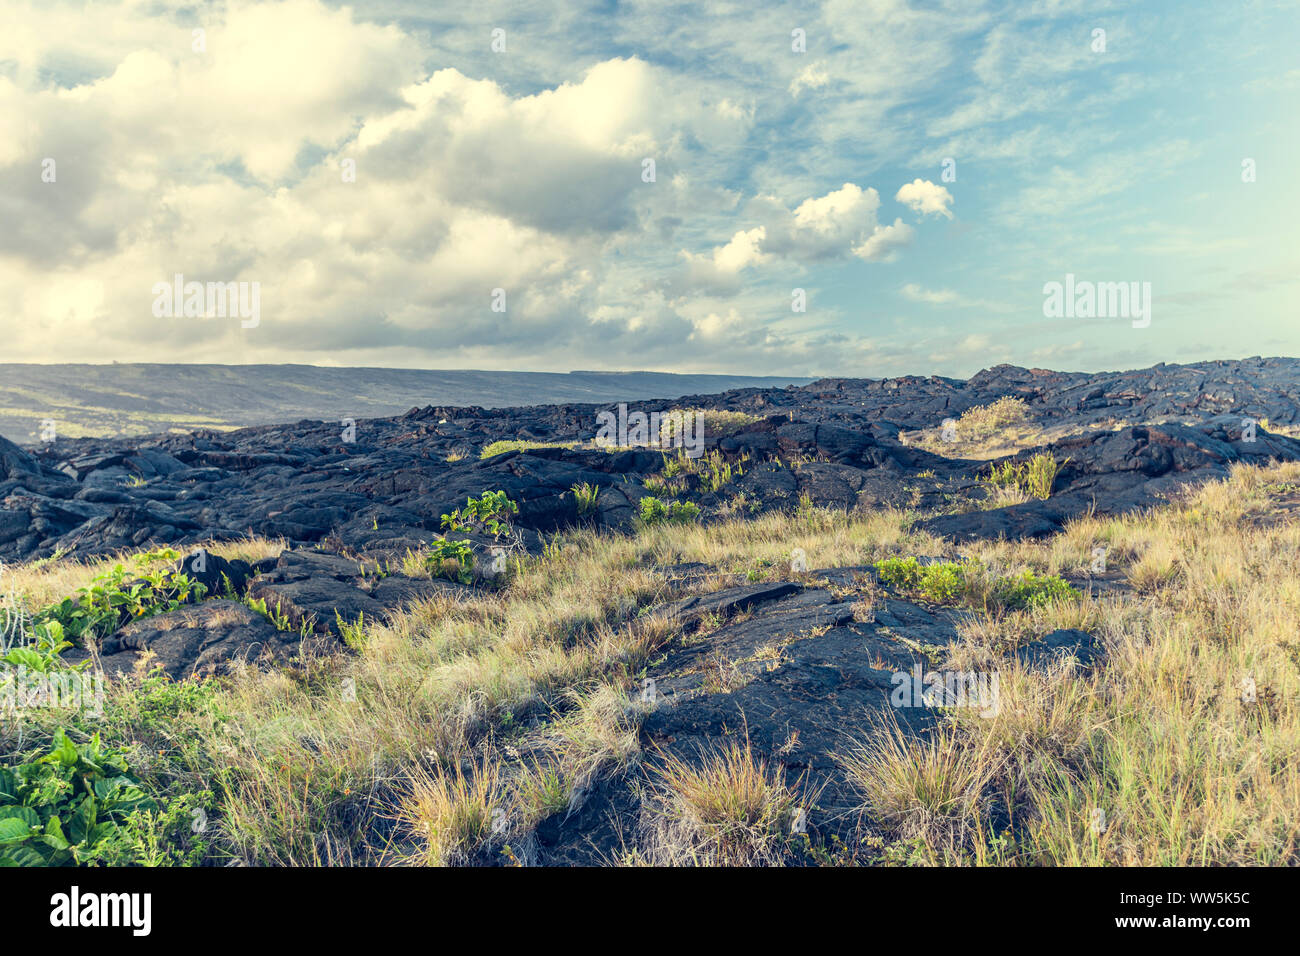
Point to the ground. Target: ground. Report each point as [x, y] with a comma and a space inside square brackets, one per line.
[739, 687]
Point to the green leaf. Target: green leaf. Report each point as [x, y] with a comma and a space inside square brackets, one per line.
[21, 856]
[26, 814]
[65, 752]
[25, 657]
[13, 830]
[82, 821]
[54, 836]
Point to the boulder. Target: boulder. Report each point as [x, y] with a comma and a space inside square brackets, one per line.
[199, 641]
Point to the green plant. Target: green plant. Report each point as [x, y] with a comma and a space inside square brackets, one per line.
[491, 512]
[943, 583]
[1032, 590]
[42, 656]
[72, 806]
[1034, 477]
[718, 472]
[352, 632]
[173, 836]
[653, 511]
[460, 554]
[501, 447]
[674, 465]
[902, 573]
[585, 495]
[273, 614]
[1040, 474]
[122, 595]
[948, 582]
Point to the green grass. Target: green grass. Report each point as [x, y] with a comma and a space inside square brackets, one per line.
[511, 444]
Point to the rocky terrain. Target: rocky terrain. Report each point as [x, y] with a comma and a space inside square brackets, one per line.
[343, 501]
[387, 485]
[349, 507]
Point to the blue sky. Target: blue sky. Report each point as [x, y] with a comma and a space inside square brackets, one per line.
[521, 169]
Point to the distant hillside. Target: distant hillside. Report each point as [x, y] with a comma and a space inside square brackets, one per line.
[105, 400]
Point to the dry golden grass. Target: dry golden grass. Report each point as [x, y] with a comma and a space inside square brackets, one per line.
[929, 789]
[986, 431]
[726, 808]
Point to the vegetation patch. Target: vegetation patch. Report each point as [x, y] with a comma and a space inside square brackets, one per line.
[512, 444]
[75, 805]
[653, 512]
[124, 594]
[1033, 478]
[971, 583]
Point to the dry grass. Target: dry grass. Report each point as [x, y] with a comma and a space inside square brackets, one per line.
[1180, 750]
[457, 814]
[927, 788]
[986, 431]
[726, 808]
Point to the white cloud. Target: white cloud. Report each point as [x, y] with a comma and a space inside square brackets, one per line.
[884, 241]
[925, 198]
[813, 77]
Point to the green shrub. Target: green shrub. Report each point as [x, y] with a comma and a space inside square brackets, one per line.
[585, 495]
[1031, 590]
[489, 512]
[70, 807]
[948, 582]
[353, 633]
[944, 583]
[904, 573]
[714, 470]
[1034, 477]
[42, 657]
[653, 511]
[451, 559]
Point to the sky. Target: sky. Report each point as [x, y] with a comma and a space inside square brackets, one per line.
[854, 187]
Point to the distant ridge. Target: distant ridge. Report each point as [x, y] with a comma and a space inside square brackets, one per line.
[134, 399]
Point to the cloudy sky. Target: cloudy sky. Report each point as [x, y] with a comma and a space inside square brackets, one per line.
[920, 170]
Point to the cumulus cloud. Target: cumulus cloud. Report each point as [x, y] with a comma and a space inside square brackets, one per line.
[523, 171]
[884, 241]
[925, 198]
[836, 226]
